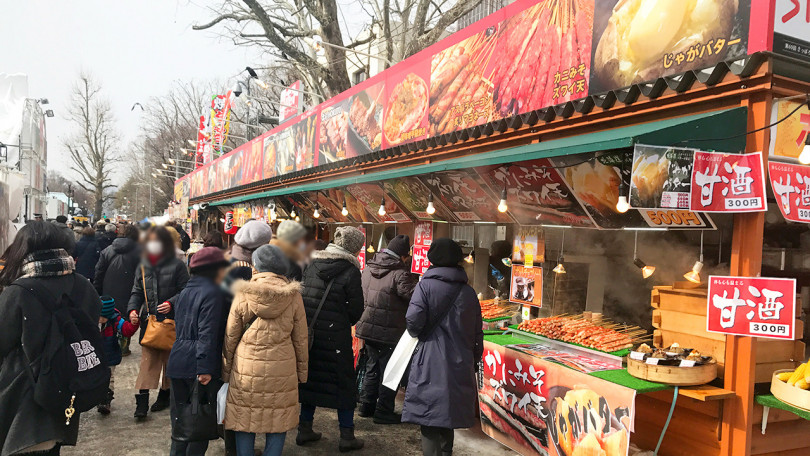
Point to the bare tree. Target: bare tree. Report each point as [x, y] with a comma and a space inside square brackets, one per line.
[283, 27]
[92, 146]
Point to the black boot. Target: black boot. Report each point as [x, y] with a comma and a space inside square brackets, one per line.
[386, 417]
[162, 401]
[306, 434]
[104, 408]
[366, 409]
[348, 442]
[141, 405]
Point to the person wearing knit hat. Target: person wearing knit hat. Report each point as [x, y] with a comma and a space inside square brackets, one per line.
[270, 258]
[252, 235]
[387, 286]
[445, 252]
[333, 282]
[112, 326]
[290, 239]
[196, 356]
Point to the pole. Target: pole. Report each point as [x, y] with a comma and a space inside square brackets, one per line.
[247, 127]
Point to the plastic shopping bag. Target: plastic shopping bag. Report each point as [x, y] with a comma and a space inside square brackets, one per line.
[399, 362]
[222, 399]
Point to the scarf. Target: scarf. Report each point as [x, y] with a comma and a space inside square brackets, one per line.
[48, 263]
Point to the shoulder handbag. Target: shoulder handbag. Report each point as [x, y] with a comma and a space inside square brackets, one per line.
[159, 335]
[196, 419]
[407, 345]
[310, 331]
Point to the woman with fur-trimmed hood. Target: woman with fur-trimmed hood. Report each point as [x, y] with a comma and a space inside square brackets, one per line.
[265, 362]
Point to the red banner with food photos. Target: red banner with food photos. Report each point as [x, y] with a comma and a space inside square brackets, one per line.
[791, 187]
[538, 407]
[752, 306]
[728, 183]
[529, 55]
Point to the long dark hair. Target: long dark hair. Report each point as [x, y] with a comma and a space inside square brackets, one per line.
[32, 237]
[165, 239]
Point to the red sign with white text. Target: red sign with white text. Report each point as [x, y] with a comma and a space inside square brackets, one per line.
[791, 187]
[752, 306]
[419, 261]
[361, 257]
[423, 234]
[290, 101]
[728, 183]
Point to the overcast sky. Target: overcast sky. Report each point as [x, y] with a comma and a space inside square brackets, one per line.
[135, 48]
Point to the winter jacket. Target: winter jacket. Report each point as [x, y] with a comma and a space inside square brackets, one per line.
[109, 337]
[442, 389]
[69, 234]
[387, 286]
[23, 322]
[200, 325]
[105, 239]
[294, 255]
[164, 282]
[115, 271]
[185, 240]
[265, 362]
[86, 254]
[331, 362]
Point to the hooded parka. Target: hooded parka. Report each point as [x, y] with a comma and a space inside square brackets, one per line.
[387, 287]
[265, 362]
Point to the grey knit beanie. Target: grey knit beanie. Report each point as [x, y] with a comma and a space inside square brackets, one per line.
[253, 234]
[350, 238]
[290, 231]
[269, 258]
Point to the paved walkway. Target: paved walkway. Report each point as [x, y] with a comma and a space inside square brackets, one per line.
[119, 434]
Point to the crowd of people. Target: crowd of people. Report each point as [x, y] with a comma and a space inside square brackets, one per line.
[276, 318]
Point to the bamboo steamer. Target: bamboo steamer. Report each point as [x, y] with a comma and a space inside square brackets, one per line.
[673, 375]
[796, 397]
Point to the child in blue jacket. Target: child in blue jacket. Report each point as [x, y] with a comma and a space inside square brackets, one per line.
[112, 326]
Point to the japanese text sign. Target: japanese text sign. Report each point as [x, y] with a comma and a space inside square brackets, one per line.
[423, 233]
[752, 306]
[361, 257]
[791, 186]
[290, 99]
[728, 183]
[419, 261]
[535, 406]
[527, 285]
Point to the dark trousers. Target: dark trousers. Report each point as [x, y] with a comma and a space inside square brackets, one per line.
[180, 393]
[188, 448]
[345, 416]
[373, 390]
[437, 441]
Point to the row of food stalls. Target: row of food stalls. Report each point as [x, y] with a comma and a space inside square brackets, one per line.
[634, 215]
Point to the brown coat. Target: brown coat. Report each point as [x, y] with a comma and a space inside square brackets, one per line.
[265, 365]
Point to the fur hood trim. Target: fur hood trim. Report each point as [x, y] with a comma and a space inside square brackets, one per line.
[268, 295]
[335, 252]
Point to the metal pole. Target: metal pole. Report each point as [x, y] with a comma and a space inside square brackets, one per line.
[247, 86]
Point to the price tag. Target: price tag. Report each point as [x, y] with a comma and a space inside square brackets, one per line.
[528, 260]
[687, 363]
[653, 361]
[637, 356]
[526, 313]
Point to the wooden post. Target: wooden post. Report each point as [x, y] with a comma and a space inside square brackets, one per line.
[746, 260]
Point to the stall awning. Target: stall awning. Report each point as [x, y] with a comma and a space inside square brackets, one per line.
[718, 130]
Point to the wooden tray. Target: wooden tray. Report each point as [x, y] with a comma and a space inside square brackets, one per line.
[672, 375]
[796, 397]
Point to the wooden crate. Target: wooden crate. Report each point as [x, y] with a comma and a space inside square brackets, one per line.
[680, 316]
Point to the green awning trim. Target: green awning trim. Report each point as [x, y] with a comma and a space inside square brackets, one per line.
[729, 124]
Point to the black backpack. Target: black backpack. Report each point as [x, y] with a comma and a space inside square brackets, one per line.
[72, 375]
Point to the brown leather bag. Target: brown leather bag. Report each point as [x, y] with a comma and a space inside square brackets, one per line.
[159, 335]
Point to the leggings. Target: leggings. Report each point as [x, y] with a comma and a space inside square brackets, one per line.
[437, 441]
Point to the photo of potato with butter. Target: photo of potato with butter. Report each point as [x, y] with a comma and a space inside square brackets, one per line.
[641, 40]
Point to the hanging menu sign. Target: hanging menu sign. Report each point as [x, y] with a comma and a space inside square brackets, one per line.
[661, 177]
[728, 183]
[791, 186]
[526, 286]
[752, 306]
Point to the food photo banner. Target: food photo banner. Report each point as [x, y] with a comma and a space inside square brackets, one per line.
[526, 56]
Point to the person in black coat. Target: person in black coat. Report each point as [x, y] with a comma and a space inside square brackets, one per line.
[87, 253]
[38, 252]
[445, 315]
[185, 239]
[197, 353]
[331, 379]
[159, 279]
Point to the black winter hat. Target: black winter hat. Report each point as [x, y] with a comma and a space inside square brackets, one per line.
[401, 245]
[445, 252]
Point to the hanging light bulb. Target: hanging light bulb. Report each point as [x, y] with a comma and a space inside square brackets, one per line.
[430, 209]
[370, 249]
[694, 275]
[317, 213]
[470, 258]
[381, 211]
[804, 157]
[297, 218]
[646, 271]
[507, 262]
[560, 269]
[292, 213]
[622, 205]
[502, 206]
[344, 211]
[273, 213]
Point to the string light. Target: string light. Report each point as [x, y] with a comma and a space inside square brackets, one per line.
[432, 210]
[317, 213]
[694, 275]
[381, 211]
[344, 211]
[502, 206]
[646, 271]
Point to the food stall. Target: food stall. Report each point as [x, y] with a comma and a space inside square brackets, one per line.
[605, 189]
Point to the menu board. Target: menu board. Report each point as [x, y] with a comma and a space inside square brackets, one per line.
[661, 177]
[526, 56]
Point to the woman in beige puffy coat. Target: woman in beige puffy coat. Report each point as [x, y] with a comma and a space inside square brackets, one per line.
[266, 354]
